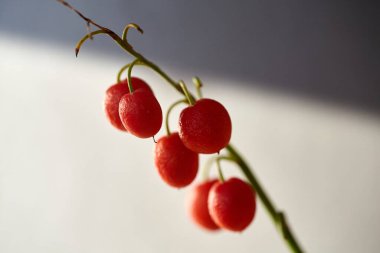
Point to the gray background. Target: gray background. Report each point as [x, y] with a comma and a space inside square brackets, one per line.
[327, 50]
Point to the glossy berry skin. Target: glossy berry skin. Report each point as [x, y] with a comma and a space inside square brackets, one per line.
[232, 204]
[176, 164]
[205, 127]
[113, 96]
[140, 113]
[198, 208]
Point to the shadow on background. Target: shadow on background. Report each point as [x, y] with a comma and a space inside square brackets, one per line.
[328, 50]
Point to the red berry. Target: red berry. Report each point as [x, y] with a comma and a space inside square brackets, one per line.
[205, 127]
[113, 96]
[198, 207]
[140, 113]
[177, 165]
[232, 204]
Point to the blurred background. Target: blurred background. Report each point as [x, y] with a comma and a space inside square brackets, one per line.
[299, 78]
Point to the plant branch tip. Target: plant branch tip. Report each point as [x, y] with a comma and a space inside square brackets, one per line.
[197, 81]
[126, 29]
[137, 27]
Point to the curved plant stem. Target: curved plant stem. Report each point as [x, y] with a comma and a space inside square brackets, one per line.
[126, 29]
[277, 217]
[171, 107]
[125, 45]
[129, 79]
[189, 97]
[121, 71]
[86, 37]
[207, 167]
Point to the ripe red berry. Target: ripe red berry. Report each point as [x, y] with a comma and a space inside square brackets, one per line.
[205, 127]
[198, 207]
[140, 113]
[176, 164]
[113, 96]
[232, 204]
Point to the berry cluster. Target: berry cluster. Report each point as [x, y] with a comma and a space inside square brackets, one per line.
[204, 128]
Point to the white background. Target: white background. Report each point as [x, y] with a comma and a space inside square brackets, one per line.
[69, 182]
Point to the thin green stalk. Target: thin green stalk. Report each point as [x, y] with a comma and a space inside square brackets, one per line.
[189, 98]
[207, 167]
[169, 111]
[126, 29]
[125, 45]
[86, 37]
[278, 217]
[129, 78]
[121, 71]
[220, 173]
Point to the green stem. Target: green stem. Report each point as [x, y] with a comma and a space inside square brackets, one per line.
[121, 71]
[125, 67]
[207, 167]
[278, 217]
[190, 98]
[127, 47]
[220, 173]
[126, 29]
[169, 111]
[129, 79]
[86, 37]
